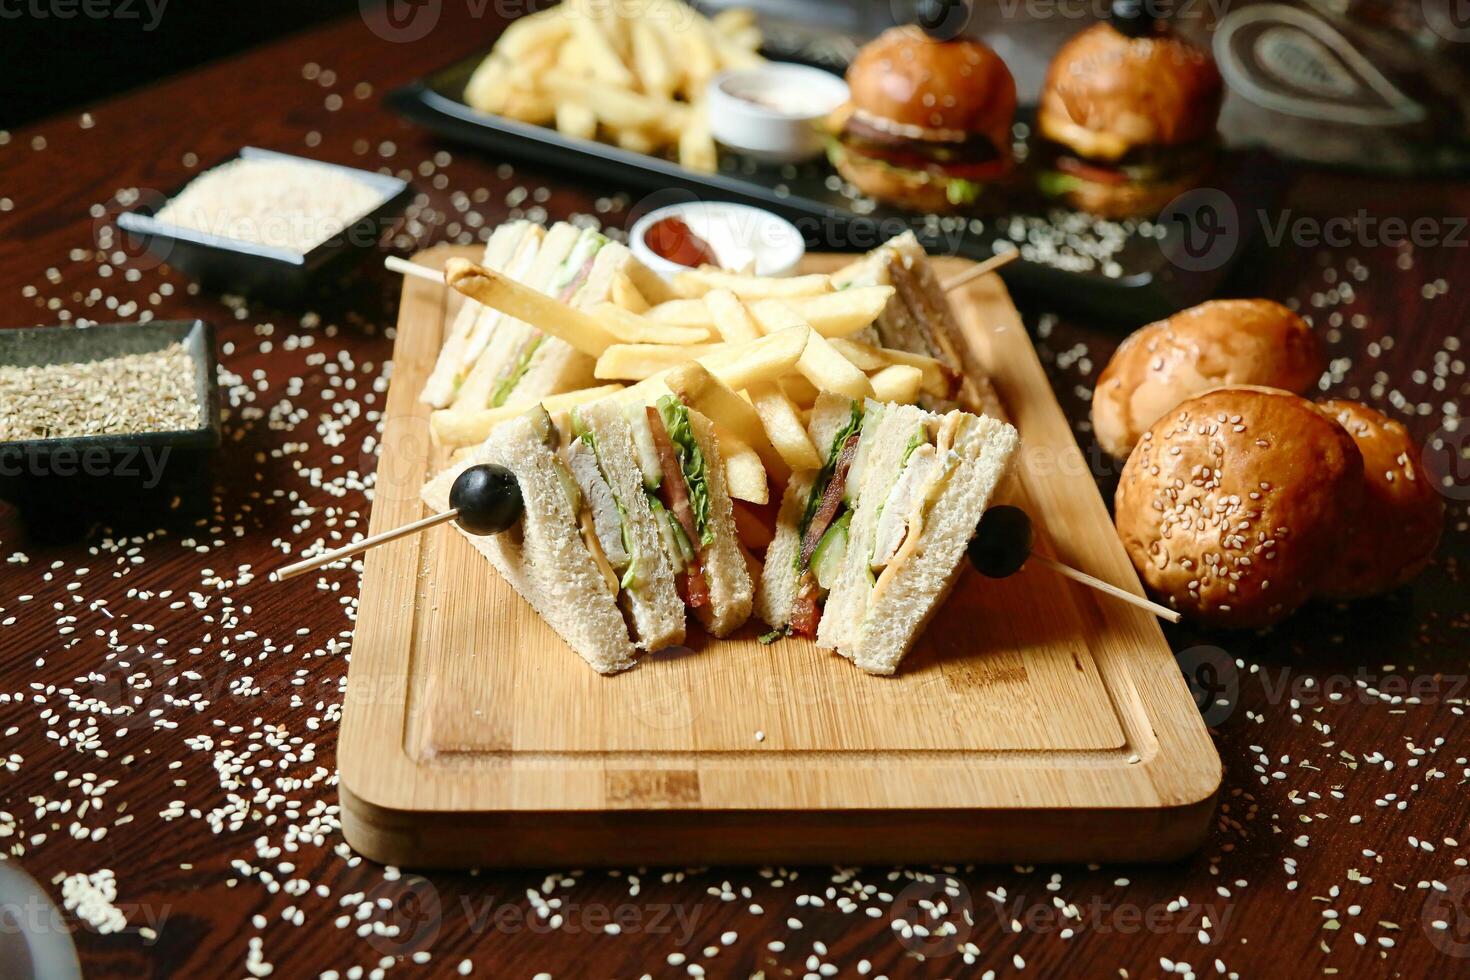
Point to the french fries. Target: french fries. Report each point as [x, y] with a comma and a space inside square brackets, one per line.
[783, 426]
[631, 328]
[686, 313]
[897, 383]
[744, 475]
[731, 318]
[828, 370]
[739, 366]
[940, 381]
[699, 282]
[834, 314]
[631, 74]
[451, 427]
[699, 388]
[626, 295]
[551, 316]
[635, 362]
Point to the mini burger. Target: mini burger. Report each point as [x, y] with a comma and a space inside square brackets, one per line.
[1127, 117]
[928, 123]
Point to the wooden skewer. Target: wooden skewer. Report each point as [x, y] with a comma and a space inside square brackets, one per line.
[1067, 571]
[980, 269]
[407, 268]
[291, 571]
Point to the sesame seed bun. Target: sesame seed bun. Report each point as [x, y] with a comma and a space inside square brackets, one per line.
[911, 79]
[1234, 505]
[1400, 514]
[1106, 93]
[1222, 342]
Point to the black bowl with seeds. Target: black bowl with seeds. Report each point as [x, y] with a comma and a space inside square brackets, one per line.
[110, 424]
[268, 225]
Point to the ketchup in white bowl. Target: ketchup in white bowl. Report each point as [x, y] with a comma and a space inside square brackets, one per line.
[734, 237]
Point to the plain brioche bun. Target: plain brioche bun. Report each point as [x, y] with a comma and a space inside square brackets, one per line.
[1400, 514]
[906, 77]
[1234, 505]
[1106, 93]
[1222, 342]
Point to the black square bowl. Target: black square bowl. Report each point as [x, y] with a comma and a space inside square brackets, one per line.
[63, 487]
[231, 265]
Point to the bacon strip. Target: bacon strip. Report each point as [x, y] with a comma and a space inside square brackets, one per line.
[831, 499]
[691, 585]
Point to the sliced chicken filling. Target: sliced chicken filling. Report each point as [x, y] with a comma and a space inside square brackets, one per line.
[600, 503]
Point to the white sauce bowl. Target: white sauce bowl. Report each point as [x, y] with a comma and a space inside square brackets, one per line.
[774, 112]
[738, 234]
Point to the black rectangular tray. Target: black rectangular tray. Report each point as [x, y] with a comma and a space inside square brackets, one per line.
[1159, 266]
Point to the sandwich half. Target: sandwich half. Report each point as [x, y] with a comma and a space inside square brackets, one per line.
[918, 318]
[512, 246]
[926, 481]
[868, 547]
[585, 554]
[684, 480]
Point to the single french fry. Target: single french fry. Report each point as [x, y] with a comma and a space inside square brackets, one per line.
[733, 20]
[451, 427]
[739, 366]
[631, 328]
[576, 120]
[898, 383]
[699, 388]
[698, 282]
[940, 380]
[685, 313]
[527, 106]
[834, 314]
[656, 75]
[550, 316]
[731, 318]
[782, 421]
[637, 141]
[634, 362]
[545, 29]
[625, 296]
[745, 477]
[823, 366]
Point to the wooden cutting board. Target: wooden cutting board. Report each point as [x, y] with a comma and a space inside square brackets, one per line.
[1032, 721]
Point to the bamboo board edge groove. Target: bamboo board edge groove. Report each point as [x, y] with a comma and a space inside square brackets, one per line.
[1032, 722]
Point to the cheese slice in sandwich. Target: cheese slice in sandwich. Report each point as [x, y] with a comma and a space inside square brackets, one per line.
[684, 480]
[925, 482]
[590, 564]
[474, 320]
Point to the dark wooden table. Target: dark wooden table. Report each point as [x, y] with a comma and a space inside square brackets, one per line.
[170, 717]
